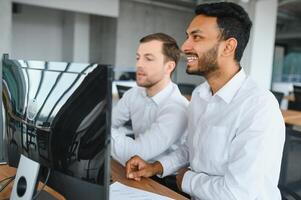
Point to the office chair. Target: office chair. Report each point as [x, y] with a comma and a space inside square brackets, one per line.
[278, 95]
[127, 76]
[186, 89]
[121, 89]
[296, 104]
[297, 93]
[290, 175]
[297, 88]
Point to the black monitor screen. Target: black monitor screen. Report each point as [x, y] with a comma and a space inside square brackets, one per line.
[58, 114]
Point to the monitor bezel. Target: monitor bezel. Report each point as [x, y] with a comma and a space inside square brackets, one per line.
[66, 185]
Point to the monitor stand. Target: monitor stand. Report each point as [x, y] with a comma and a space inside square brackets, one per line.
[44, 195]
[26, 181]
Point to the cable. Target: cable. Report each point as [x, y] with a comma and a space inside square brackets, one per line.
[38, 193]
[7, 178]
[10, 179]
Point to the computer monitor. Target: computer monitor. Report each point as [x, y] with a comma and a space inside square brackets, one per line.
[59, 115]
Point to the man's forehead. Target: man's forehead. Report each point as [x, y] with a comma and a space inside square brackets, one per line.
[150, 47]
[201, 23]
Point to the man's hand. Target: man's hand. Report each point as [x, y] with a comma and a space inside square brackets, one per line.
[180, 176]
[136, 168]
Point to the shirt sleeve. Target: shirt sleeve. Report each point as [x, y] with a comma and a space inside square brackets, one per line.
[257, 144]
[175, 160]
[169, 126]
[121, 112]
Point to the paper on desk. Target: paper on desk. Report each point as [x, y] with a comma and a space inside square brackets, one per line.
[120, 191]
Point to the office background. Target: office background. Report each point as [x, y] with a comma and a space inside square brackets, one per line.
[108, 31]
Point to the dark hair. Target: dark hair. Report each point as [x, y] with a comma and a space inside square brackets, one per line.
[232, 20]
[170, 48]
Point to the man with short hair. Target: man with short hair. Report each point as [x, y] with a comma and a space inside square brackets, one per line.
[156, 108]
[236, 131]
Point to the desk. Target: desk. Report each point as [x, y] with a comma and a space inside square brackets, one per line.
[117, 173]
[292, 117]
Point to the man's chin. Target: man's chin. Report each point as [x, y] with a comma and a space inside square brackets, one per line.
[194, 69]
[191, 72]
[142, 84]
[139, 84]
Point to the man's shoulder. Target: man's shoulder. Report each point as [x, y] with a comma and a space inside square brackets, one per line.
[256, 104]
[174, 101]
[251, 93]
[133, 92]
[176, 97]
[133, 95]
[251, 88]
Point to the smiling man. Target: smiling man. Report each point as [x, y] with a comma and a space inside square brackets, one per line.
[156, 108]
[236, 130]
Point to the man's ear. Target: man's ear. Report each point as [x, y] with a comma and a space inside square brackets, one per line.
[170, 66]
[230, 46]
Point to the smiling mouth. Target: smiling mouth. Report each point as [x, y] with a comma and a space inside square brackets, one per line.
[191, 58]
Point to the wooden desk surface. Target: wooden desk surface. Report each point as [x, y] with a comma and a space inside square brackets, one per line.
[6, 171]
[292, 117]
[117, 173]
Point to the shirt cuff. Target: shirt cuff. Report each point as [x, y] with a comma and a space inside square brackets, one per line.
[186, 182]
[167, 168]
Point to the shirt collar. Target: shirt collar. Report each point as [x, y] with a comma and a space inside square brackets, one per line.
[163, 94]
[204, 91]
[228, 91]
[160, 96]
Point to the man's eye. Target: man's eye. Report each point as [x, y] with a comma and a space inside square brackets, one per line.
[197, 37]
[149, 59]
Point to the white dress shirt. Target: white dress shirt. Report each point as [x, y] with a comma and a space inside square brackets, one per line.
[158, 123]
[234, 143]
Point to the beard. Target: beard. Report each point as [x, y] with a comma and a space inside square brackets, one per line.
[146, 82]
[207, 63]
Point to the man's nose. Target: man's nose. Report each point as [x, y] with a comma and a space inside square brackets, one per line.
[138, 63]
[187, 45]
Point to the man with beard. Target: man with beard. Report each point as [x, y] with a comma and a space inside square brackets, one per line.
[157, 109]
[235, 129]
